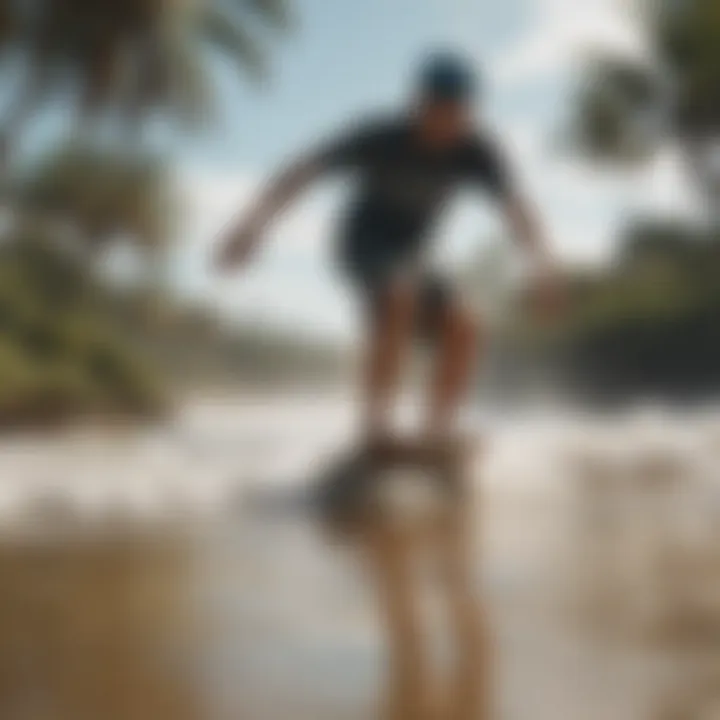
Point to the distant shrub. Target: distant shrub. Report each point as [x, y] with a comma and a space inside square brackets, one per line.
[62, 354]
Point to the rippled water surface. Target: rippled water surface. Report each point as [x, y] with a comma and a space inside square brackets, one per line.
[268, 620]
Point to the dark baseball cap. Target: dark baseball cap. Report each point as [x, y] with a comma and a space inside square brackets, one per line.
[447, 76]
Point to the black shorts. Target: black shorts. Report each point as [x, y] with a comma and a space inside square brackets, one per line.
[374, 262]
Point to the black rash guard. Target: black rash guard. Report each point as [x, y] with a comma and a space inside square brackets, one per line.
[402, 189]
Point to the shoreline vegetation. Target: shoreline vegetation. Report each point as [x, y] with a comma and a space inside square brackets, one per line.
[80, 344]
[641, 328]
[72, 345]
[74, 349]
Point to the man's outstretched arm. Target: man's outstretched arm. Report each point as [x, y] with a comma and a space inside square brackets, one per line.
[489, 167]
[244, 233]
[526, 228]
[344, 152]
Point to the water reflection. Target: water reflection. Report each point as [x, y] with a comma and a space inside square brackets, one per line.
[96, 627]
[603, 598]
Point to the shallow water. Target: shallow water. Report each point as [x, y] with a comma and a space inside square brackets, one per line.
[277, 622]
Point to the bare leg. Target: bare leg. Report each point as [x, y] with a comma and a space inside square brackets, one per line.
[456, 353]
[390, 335]
[409, 691]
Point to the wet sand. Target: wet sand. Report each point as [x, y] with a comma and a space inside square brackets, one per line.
[282, 623]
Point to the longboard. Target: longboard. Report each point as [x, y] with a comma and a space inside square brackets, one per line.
[363, 482]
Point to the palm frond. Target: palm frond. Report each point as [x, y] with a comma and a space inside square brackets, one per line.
[225, 33]
[131, 57]
[148, 78]
[275, 12]
[100, 76]
[191, 95]
[617, 111]
[9, 22]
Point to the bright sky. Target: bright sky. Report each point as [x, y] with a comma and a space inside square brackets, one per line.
[345, 59]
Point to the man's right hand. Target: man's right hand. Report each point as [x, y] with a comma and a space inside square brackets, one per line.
[236, 249]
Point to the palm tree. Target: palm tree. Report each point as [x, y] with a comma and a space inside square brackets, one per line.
[627, 109]
[93, 197]
[83, 200]
[131, 57]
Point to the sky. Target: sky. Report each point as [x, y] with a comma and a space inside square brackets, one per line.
[345, 59]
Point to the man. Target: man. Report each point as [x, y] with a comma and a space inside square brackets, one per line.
[407, 167]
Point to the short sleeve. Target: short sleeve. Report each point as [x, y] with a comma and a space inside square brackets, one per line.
[354, 147]
[484, 164]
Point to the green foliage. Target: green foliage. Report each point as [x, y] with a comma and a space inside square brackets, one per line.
[617, 111]
[101, 193]
[648, 324]
[134, 58]
[61, 355]
[627, 109]
[70, 347]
